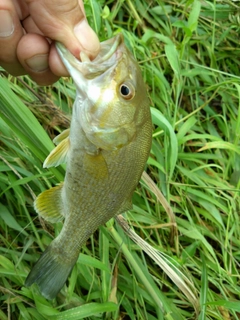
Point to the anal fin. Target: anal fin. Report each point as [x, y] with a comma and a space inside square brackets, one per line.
[49, 204]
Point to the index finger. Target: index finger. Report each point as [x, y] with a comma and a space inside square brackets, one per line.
[65, 21]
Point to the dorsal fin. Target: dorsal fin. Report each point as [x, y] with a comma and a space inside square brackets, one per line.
[49, 204]
[62, 136]
[58, 155]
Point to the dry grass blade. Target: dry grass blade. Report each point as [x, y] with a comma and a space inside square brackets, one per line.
[181, 281]
[155, 190]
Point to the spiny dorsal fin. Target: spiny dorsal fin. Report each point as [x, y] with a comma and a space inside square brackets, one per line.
[49, 204]
[58, 155]
[62, 136]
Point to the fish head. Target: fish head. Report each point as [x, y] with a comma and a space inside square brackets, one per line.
[111, 100]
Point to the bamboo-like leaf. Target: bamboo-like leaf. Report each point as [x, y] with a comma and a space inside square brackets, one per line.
[23, 123]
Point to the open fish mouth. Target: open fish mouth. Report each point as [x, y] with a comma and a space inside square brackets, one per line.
[110, 51]
[108, 48]
[100, 117]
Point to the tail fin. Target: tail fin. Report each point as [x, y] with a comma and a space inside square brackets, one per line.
[50, 273]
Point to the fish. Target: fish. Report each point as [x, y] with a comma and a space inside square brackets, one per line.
[105, 151]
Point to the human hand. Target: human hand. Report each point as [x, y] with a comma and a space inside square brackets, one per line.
[27, 28]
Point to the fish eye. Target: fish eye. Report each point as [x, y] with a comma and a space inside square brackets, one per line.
[126, 91]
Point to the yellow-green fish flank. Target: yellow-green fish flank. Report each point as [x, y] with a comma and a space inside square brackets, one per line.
[105, 149]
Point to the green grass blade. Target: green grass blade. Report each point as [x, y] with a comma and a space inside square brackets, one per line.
[85, 311]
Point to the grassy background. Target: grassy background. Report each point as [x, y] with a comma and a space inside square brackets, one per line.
[187, 205]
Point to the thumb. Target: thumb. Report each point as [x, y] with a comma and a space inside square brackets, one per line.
[65, 21]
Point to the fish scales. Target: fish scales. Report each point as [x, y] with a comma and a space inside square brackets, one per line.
[108, 201]
[105, 150]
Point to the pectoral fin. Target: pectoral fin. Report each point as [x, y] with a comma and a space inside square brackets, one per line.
[49, 204]
[96, 166]
[58, 155]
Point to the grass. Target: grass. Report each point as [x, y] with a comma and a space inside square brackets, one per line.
[186, 209]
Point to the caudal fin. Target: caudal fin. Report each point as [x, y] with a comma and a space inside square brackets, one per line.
[49, 273]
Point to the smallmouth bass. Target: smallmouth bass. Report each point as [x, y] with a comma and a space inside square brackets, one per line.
[105, 149]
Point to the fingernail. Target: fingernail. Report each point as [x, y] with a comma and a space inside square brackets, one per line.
[38, 63]
[6, 24]
[87, 37]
